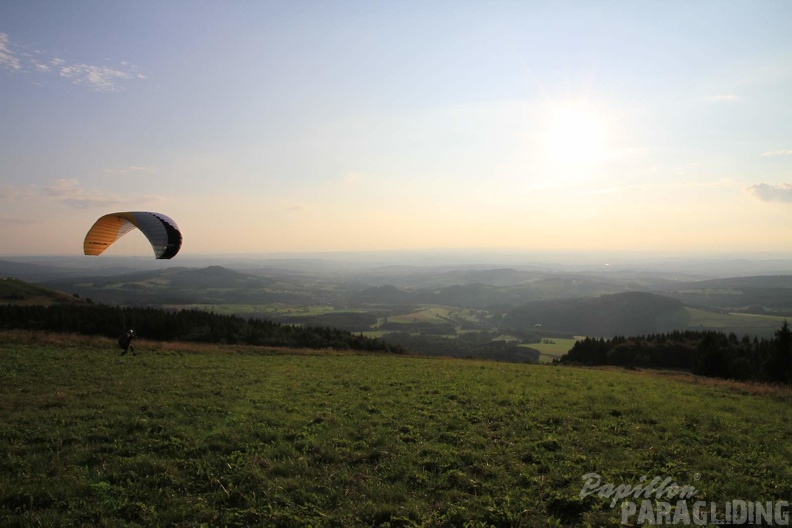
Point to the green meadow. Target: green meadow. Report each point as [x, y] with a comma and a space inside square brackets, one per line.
[552, 348]
[191, 435]
[739, 323]
[426, 314]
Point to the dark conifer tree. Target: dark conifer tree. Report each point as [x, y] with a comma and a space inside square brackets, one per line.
[779, 364]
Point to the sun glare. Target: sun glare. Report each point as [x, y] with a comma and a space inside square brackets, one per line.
[574, 134]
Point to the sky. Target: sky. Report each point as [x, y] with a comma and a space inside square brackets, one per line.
[297, 126]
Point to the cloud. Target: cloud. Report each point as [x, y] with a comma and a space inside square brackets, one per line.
[39, 67]
[70, 193]
[723, 98]
[10, 193]
[99, 78]
[8, 59]
[777, 153]
[130, 169]
[772, 193]
[6, 220]
[688, 184]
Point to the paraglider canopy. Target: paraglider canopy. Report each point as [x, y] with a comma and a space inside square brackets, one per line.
[160, 230]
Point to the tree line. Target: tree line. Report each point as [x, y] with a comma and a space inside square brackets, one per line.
[705, 353]
[183, 325]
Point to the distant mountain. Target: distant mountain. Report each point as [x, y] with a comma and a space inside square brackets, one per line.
[632, 313]
[32, 272]
[213, 277]
[15, 291]
[416, 278]
[757, 294]
[499, 289]
[186, 286]
[50, 268]
[387, 294]
[479, 295]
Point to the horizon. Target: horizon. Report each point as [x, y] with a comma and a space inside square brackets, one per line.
[346, 128]
[715, 264]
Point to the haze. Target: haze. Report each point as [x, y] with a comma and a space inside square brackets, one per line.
[285, 127]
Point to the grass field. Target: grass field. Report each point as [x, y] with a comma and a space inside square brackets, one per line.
[555, 348]
[739, 323]
[187, 435]
[426, 314]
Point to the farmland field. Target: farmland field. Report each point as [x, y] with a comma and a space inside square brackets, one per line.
[426, 314]
[261, 309]
[739, 323]
[190, 435]
[552, 348]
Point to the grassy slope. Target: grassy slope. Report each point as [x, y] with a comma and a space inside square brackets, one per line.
[184, 435]
[13, 291]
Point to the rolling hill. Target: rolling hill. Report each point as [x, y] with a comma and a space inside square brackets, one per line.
[564, 302]
[632, 313]
[15, 291]
[177, 285]
[762, 294]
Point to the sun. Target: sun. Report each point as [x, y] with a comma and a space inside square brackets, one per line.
[574, 134]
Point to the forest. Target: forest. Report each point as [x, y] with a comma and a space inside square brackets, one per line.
[182, 325]
[705, 353]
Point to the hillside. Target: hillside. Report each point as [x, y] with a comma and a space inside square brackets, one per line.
[486, 289]
[632, 313]
[763, 294]
[364, 301]
[31, 272]
[220, 285]
[189, 435]
[178, 285]
[183, 325]
[14, 291]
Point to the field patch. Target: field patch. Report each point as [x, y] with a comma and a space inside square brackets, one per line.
[425, 314]
[552, 348]
[739, 323]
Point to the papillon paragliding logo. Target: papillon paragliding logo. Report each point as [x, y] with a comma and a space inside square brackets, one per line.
[160, 230]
